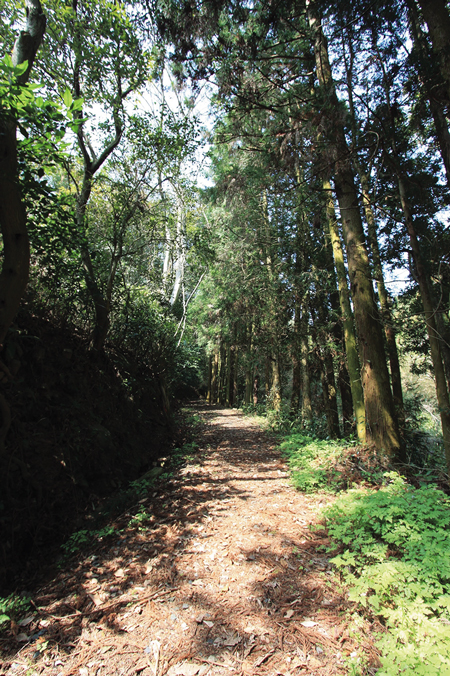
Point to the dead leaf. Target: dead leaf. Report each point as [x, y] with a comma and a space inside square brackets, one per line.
[104, 649]
[96, 599]
[208, 623]
[186, 669]
[119, 573]
[297, 662]
[262, 659]
[308, 623]
[313, 663]
[290, 613]
[231, 641]
[26, 621]
[140, 666]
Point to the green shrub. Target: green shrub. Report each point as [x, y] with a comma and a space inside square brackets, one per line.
[314, 463]
[395, 555]
[12, 607]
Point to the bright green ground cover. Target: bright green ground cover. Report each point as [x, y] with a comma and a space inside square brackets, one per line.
[392, 547]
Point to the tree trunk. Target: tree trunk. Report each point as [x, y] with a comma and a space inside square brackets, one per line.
[381, 423]
[249, 367]
[248, 385]
[433, 336]
[267, 378]
[384, 300]
[222, 374]
[275, 390]
[296, 383]
[234, 398]
[307, 413]
[214, 377]
[354, 368]
[91, 165]
[346, 398]
[210, 372]
[436, 105]
[436, 15]
[229, 375]
[329, 389]
[255, 390]
[385, 303]
[444, 339]
[13, 220]
[327, 378]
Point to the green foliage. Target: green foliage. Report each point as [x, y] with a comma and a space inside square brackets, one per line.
[140, 519]
[314, 462]
[12, 607]
[142, 485]
[423, 435]
[147, 329]
[42, 122]
[82, 538]
[76, 542]
[395, 555]
[187, 369]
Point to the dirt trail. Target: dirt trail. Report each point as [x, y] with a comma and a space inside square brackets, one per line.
[224, 578]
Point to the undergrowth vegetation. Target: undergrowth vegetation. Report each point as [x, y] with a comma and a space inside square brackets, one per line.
[320, 464]
[391, 546]
[121, 512]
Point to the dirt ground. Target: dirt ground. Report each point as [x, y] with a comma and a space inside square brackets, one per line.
[220, 574]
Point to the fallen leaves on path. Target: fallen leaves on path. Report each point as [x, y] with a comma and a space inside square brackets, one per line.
[226, 578]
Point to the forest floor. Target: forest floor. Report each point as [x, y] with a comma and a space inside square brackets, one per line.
[218, 573]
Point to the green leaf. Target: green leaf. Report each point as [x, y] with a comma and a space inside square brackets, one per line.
[67, 98]
[20, 69]
[7, 61]
[77, 104]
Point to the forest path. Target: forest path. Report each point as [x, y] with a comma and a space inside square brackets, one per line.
[224, 577]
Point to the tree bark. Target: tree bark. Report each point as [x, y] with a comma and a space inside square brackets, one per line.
[433, 93]
[436, 15]
[249, 366]
[222, 374]
[381, 423]
[329, 388]
[214, 377]
[385, 303]
[383, 297]
[346, 398]
[210, 372]
[267, 377]
[296, 382]
[307, 413]
[422, 278]
[327, 373]
[255, 390]
[351, 350]
[428, 306]
[13, 220]
[275, 389]
[234, 397]
[91, 165]
[337, 332]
